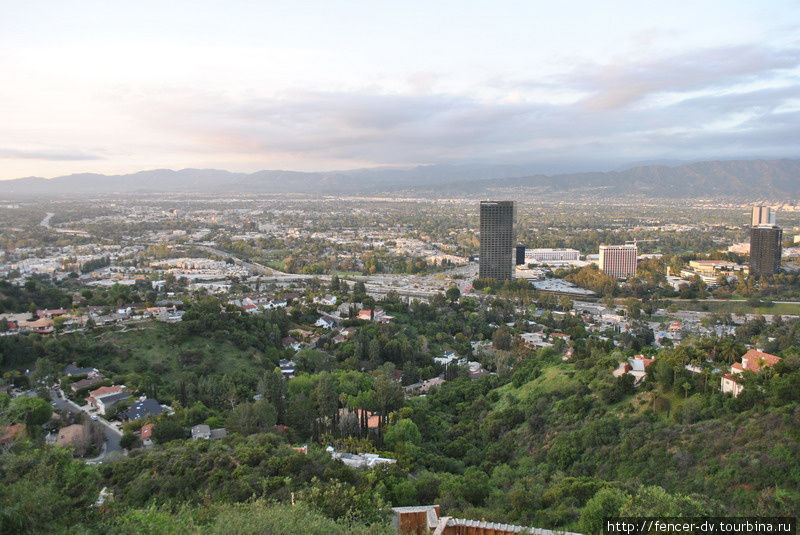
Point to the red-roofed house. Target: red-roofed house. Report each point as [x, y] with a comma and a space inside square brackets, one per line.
[374, 315]
[147, 434]
[752, 361]
[102, 392]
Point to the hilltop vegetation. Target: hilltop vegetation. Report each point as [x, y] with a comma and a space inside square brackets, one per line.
[541, 441]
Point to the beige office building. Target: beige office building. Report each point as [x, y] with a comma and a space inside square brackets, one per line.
[619, 261]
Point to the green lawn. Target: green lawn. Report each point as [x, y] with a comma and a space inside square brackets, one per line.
[554, 378]
[155, 343]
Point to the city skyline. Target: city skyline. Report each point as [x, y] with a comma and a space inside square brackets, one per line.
[117, 89]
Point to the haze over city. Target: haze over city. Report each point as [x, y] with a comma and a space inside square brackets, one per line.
[245, 86]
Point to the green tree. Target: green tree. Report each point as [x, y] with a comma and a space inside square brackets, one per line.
[250, 418]
[334, 286]
[401, 432]
[453, 294]
[167, 430]
[605, 503]
[29, 410]
[128, 440]
[388, 396]
[655, 501]
[326, 401]
[501, 339]
[272, 386]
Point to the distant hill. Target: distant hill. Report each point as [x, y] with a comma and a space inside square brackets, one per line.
[743, 179]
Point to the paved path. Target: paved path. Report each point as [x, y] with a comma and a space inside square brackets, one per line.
[112, 435]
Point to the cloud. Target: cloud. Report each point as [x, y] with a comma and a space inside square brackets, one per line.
[612, 86]
[47, 154]
[715, 110]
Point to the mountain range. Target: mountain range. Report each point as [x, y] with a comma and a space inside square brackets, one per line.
[741, 179]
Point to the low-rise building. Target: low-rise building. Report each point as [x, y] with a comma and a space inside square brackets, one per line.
[106, 403]
[752, 361]
[201, 431]
[359, 460]
[142, 409]
[146, 434]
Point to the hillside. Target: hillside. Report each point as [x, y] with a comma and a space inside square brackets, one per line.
[744, 180]
[540, 442]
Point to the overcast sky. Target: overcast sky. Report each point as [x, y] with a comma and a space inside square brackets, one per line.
[113, 86]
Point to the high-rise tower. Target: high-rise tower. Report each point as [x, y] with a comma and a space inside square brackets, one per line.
[765, 242]
[497, 240]
[619, 261]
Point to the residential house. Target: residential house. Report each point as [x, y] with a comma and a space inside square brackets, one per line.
[288, 367]
[423, 387]
[326, 321]
[142, 409]
[475, 370]
[636, 366]
[752, 361]
[84, 383]
[534, 340]
[204, 432]
[146, 434]
[327, 300]
[345, 308]
[106, 403]
[275, 303]
[559, 336]
[448, 357]
[376, 315]
[73, 369]
[41, 326]
[201, 431]
[102, 392]
[359, 460]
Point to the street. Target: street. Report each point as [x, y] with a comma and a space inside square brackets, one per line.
[112, 435]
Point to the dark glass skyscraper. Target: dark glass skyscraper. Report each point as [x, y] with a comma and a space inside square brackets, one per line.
[765, 242]
[765, 250]
[497, 240]
[519, 255]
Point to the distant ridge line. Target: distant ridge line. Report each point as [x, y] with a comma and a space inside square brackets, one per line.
[740, 179]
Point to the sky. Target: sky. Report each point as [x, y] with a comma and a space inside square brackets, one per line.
[116, 87]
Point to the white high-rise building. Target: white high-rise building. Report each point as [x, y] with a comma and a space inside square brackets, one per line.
[762, 215]
[619, 261]
[551, 255]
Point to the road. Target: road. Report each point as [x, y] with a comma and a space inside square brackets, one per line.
[112, 436]
[46, 221]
